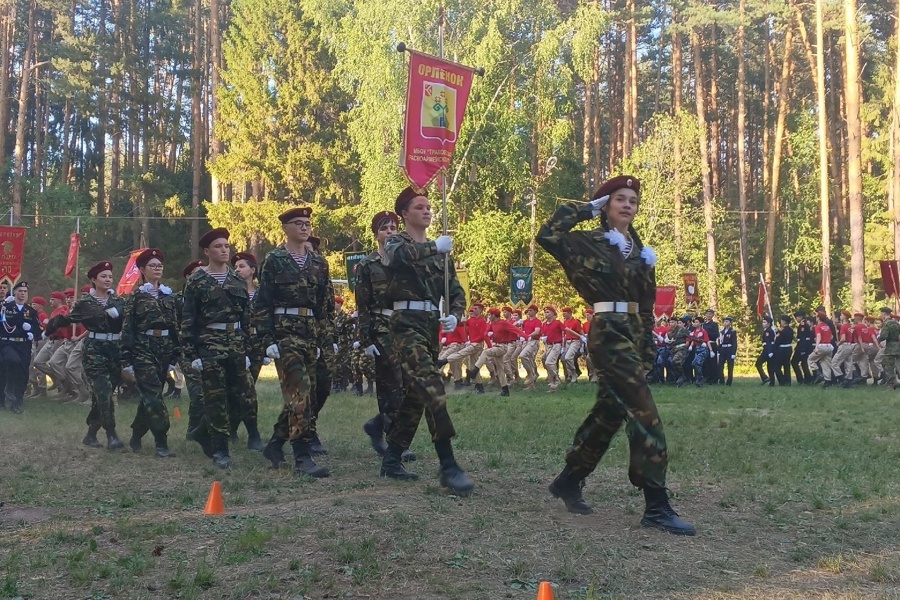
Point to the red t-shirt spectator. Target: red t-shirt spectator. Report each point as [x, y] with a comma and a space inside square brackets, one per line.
[824, 333]
[574, 325]
[554, 331]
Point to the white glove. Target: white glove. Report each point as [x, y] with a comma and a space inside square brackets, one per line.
[113, 312]
[318, 353]
[597, 204]
[449, 322]
[356, 345]
[544, 338]
[26, 326]
[335, 348]
[273, 351]
[443, 341]
[444, 244]
[521, 339]
[771, 354]
[372, 351]
[712, 355]
[584, 339]
[197, 364]
[491, 334]
[519, 323]
[29, 336]
[733, 357]
[267, 361]
[247, 360]
[129, 370]
[171, 368]
[44, 336]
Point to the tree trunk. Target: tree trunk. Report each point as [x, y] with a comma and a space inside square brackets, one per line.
[767, 95]
[742, 154]
[629, 133]
[784, 83]
[895, 147]
[714, 130]
[215, 45]
[677, 68]
[853, 95]
[824, 200]
[22, 117]
[9, 49]
[700, 94]
[197, 135]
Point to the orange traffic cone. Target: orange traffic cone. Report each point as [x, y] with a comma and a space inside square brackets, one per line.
[176, 413]
[545, 591]
[215, 506]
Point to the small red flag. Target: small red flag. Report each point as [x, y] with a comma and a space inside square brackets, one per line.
[761, 300]
[130, 275]
[72, 261]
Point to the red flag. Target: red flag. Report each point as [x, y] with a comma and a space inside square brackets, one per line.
[130, 275]
[665, 301]
[12, 249]
[436, 98]
[761, 300]
[72, 261]
[691, 296]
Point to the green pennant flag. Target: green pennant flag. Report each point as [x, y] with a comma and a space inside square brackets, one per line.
[351, 259]
[521, 282]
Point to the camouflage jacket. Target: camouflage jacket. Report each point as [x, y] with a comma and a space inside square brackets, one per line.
[678, 334]
[342, 326]
[18, 324]
[94, 316]
[371, 295]
[599, 272]
[890, 334]
[416, 272]
[283, 284]
[143, 312]
[207, 302]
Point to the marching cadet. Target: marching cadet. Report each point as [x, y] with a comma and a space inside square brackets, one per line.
[842, 361]
[291, 313]
[728, 346]
[515, 351]
[149, 346]
[451, 343]
[867, 340]
[531, 326]
[612, 270]
[101, 312]
[710, 367]
[660, 336]
[54, 342]
[767, 353]
[339, 362]
[552, 336]
[679, 347]
[700, 348]
[322, 386]
[572, 335]
[20, 327]
[362, 366]
[215, 325]
[37, 383]
[192, 378]
[416, 270]
[890, 335]
[781, 362]
[501, 334]
[476, 330]
[820, 358]
[805, 343]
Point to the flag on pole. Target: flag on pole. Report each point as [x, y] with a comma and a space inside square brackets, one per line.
[761, 300]
[691, 295]
[12, 250]
[130, 275]
[665, 301]
[436, 98]
[890, 277]
[72, 260]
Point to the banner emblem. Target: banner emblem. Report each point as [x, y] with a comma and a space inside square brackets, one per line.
[12, 249]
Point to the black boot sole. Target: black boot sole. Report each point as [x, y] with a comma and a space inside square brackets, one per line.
[673, 530]
[572, 507]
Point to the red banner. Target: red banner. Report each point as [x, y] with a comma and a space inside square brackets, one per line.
[130, 275]
[12, 249]
[72, 261]
[890, 277]
[436, 98]
[761, 300]
[665, 301]
[691, 296]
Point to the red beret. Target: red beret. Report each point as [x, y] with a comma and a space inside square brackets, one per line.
[243, 256]
[551, 309]
[314, 242]
[210, 236]
[517, 312]
[191, 267]
[39, 300]
[144, 257]
[85, 289]
[567, 309]
[405, 197]
[494, 311]
[98, 268]
[859, 314]
[381, 218]
[478, 304]
[507, 309]
[534, 308]
[59, 296]
[292, 213]
[590, 311]
[70, 293]
[846, 313]
[617, 183]
[870, 318]
[338, 300]
[821, 313]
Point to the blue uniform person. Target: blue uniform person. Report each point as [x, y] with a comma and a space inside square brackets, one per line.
[767, 353]
[20, 325]
[728, 346]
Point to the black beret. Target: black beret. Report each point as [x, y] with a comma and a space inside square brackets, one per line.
[147, 255]
[191, 266]
[210, 236]
[293, 213]
[405, 197]
[384, 216]
[243, 256]
[99, 268]
[617, 183]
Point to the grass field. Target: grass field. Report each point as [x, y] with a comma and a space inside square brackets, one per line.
[794, 491]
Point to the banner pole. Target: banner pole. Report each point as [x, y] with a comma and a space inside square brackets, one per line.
[766, 291]
[443, 176]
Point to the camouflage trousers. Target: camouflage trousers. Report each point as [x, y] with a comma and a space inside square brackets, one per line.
[339, 365]
[889, 364]
[194, 384]
[297, 375]
[103, 368]
[679, 353]
[623, 395]
[361, 365]
[226, 380]
[414, 335]
[322, 389]
[246, 411]
[152, 357]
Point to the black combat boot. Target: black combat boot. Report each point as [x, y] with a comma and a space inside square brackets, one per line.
[392, 465]
[369, 388]
[458, 384]
[274, 452]
[162, 447]
[567, 486]
[91, 438]
[505, 391]
[112, 440]
[135, 442]
[232, 430]
[254, 441]
[304, 463]
[358, 388]
[220, 456]
[315, 446]
[200, 434]
[374, 428]
[408, 456]
[452, 476]
[479, 388]
[660, 515]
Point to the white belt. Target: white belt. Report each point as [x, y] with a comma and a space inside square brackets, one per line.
[225, 326]
[616, 307]
[383, 311]
[298, 312]
[106, 337]
[727, 345]
[680, 346]
[426, 305]
[157, 332]
[786, 346]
